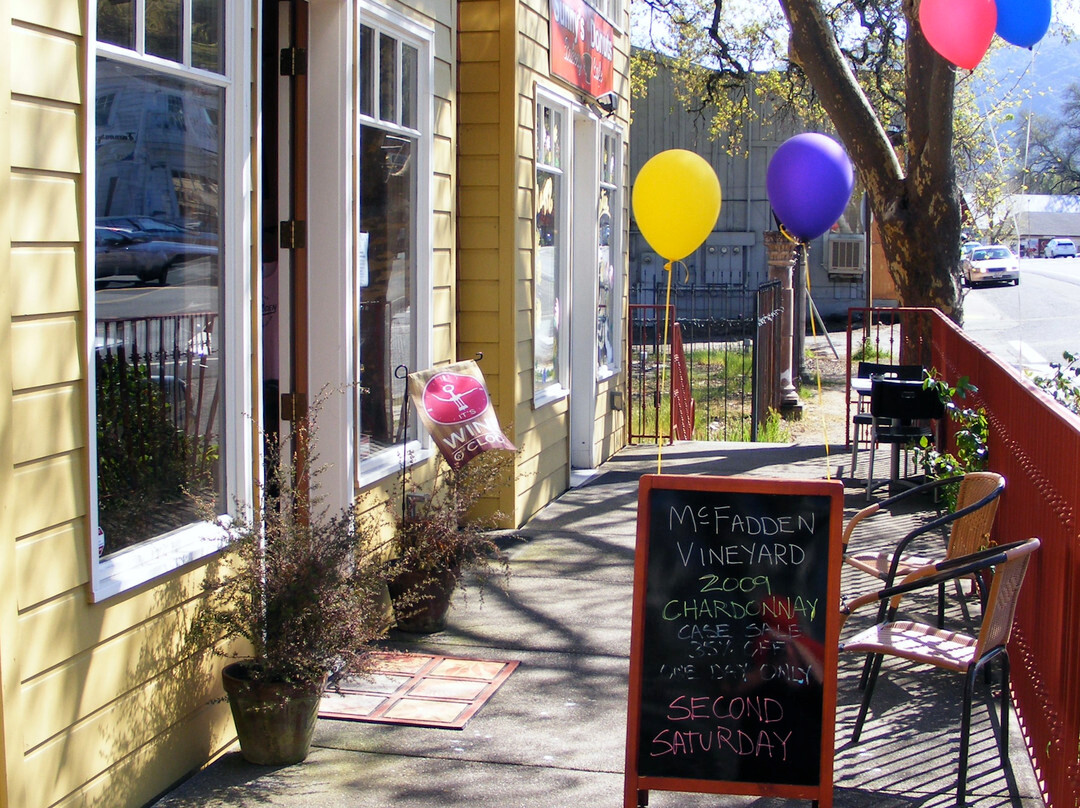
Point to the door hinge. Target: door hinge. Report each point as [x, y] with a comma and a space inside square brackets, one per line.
[293, 406]
[293, 61]
[292, 235]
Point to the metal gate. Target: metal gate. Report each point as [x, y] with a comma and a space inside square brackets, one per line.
[732, 382]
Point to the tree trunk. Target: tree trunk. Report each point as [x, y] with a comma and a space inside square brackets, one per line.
[917, 207]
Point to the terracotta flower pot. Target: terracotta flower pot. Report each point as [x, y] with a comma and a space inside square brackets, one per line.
[426, 598]
[274, 721]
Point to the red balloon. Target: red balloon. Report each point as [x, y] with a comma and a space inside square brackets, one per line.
[960, 30]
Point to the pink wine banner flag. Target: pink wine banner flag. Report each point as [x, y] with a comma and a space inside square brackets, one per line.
[454, 405]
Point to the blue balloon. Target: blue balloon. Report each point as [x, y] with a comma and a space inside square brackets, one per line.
[810, 180]
[1022, 22]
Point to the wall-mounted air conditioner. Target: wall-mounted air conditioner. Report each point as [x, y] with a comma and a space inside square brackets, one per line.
[846, 256]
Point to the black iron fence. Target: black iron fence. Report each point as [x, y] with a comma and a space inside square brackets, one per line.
[731, 356]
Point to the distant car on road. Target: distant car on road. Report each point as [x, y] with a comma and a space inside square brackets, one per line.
[119, 253]
[968, 246]
[993, 264]
[1060, 248]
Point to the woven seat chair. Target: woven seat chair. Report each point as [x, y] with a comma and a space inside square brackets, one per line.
[969, 527]
[950, 650]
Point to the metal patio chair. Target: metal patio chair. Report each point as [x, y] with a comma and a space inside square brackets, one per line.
[968, 525]
[862, 420]
[901, 413]
[950, 650]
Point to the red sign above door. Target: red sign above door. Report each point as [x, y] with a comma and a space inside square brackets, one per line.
[582, 44]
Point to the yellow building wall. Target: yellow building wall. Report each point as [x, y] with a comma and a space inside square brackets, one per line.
[504, 54]
[97, 707]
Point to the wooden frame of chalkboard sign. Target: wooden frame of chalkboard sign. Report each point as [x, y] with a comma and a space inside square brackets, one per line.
[733, 650]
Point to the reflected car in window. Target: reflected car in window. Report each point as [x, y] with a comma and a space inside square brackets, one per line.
[155, 228]
[993, 264]
[119, 254]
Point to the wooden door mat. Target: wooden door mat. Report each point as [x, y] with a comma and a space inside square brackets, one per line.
[422, 690]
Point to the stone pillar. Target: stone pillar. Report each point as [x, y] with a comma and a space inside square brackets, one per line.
[781, 255]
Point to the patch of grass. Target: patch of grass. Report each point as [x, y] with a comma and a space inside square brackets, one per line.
[870, 352]
[721, 383]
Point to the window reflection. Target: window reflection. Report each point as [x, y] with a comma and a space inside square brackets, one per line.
[387, 222]
[546, 297]
[157, 279]
[116, 22]
[207, 31]
[388, 79]
[164, 26]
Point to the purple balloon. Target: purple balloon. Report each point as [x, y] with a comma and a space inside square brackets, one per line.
[810, 180]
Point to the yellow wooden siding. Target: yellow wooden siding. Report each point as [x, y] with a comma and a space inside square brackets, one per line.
[45, 352]
[47, 422]
[443, 342]
[49, 492]
[478, 171]
[442, 228]
[479, 46]
[65, 17]
[478, 201]
[479, 77]
[59, 698]
[478, 327]
[443, 152]
[11, 714]
[44, 209]
[442, 304]
[52, 561]
[480, 108]
[44, 280]
[44, 138]
[139, 778]
[479, 263]
[480, 233]
[56, 71]
[442, 268]
[479, 15]
[139, 722]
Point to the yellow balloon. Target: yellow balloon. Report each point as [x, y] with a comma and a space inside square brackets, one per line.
[676, 202]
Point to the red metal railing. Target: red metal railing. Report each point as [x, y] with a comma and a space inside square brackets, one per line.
[1035, 443]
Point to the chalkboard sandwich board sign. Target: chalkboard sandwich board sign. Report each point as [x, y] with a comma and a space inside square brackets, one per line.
[734, 643]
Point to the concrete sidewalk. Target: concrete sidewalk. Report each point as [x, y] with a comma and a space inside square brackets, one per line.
[554, 733]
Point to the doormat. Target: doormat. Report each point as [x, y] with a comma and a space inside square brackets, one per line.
[421, 690]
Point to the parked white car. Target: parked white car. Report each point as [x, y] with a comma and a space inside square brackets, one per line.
[1060, 248]
[993, 264]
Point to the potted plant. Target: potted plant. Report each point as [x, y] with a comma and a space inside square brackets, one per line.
[305, 588]
[439, 534]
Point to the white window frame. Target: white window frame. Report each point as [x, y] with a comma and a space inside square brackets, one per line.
[161, 555]
[615, 312]
[382, 20]
[560, 388]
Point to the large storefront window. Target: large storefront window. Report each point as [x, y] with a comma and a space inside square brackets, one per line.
[389, 223]
[161, 281]
[549, 273]
[609, 229]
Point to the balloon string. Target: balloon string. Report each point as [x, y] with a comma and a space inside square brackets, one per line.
[663, 375]
[820, 394]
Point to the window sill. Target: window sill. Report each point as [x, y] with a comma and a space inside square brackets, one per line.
[153, 559]
[548, 395]
[389, 462]
[606, 372]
